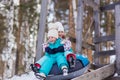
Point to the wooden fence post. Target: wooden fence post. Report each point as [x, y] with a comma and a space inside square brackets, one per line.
[97, 32]
[117, 37]
[79, 27]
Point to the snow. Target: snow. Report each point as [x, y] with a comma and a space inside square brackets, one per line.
[1, 5]
[16, 2]
[27, 76]
[112, 58]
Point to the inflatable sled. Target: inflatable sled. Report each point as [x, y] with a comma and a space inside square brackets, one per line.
[82, 65]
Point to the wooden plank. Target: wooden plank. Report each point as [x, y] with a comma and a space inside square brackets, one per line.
[104, 38]
[98, 74]
[79, 27]
[117, 37]
[105, 53]
[113, 78]
[109, 6]
[96, 18]
[41, 31]
[84, 44]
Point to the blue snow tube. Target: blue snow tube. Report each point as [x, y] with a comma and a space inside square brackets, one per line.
[84, 60]
[81, 66]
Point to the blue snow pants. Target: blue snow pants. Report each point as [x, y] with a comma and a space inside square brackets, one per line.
[51, 59]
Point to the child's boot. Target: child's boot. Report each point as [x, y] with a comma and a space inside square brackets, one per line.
[71, 58]
[65, 70]
[35, 67]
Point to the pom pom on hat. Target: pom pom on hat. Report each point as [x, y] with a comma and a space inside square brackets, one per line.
[53, 33]
[52, 26]
[60, 26]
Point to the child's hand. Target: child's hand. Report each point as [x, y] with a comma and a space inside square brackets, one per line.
[63, 41]
[44, 46]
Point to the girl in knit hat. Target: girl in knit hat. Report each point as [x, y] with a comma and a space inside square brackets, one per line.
[70, 56]
[54, 53]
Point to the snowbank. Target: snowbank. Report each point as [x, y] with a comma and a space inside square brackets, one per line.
[27, 76]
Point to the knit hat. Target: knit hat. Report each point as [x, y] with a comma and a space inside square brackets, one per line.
[60, 26]
[53, 33]
[52, 26]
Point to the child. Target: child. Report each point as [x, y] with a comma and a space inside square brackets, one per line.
[54, 53]
[71, 58]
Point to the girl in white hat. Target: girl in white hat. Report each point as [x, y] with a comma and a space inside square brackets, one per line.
[70, 56]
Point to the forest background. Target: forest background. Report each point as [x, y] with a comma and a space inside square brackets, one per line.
[19, 23]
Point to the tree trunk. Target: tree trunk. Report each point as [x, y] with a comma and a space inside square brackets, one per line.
[19, 54]
[1, 68]
[71, 32]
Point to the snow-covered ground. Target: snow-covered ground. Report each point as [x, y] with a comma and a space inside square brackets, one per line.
[27, 76]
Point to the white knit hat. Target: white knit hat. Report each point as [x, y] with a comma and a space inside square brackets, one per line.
[52, 26]
[53, 33]
[60, 26]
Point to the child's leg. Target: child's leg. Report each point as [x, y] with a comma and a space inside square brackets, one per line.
[61, 60]
[62, 64]
[71, 58]
[42, 59]
[47, 66]
[35, 67]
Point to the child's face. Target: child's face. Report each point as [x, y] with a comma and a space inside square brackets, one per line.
[61, 34]
[51, 39]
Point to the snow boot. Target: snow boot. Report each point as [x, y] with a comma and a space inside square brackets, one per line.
[35, 67]
[71, 58]
[65, 70]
